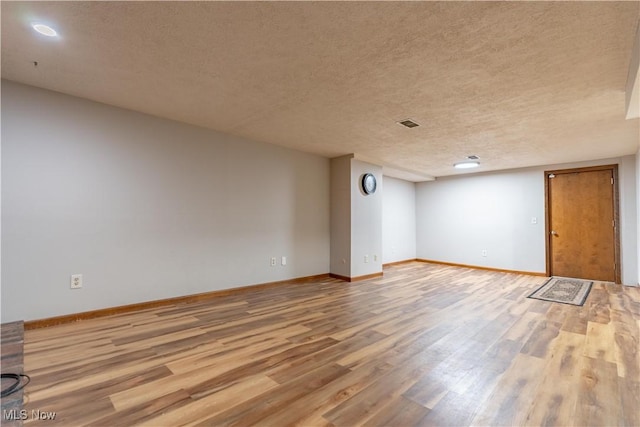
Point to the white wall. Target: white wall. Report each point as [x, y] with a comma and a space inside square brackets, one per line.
[638, 211]
[145, 208]
[341, 216]
[366, 221]
[458, 217]
[398, 220]
[628, 220]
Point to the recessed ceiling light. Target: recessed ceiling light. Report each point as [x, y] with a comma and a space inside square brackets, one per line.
[466, 165]
[44, 30]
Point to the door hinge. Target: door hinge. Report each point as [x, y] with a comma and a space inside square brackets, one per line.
[611, 181]
[613, 223]
[551, 176]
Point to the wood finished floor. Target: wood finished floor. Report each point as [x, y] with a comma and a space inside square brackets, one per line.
[424, 345]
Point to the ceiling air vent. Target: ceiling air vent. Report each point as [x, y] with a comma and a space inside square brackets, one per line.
[409, 123]
[473, 157]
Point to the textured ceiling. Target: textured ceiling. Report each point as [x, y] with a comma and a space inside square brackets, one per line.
[516, 83]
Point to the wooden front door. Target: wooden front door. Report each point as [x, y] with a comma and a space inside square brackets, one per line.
[581, 230]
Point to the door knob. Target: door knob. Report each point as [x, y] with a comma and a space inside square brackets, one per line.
[553, 233]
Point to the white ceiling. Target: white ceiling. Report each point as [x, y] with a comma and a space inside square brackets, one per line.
[516, 83]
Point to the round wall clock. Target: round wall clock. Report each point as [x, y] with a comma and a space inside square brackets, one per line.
[369, 183]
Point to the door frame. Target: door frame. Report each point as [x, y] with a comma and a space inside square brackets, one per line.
[616, 214]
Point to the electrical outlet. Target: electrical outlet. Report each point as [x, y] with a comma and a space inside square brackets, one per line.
[366, 259]
[534, 220]
[76, 281]
[273, 261]
[283, 260]
[484, 252]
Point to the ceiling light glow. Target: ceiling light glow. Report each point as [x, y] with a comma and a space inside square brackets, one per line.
[466, 165]
[44, 30]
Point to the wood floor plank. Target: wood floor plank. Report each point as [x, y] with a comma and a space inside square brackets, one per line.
[600, 343]
[254, 410]
[507, 405]
[425, 344]
[263, 365]
[168, 402]
[198, 410]
[295, 368]
[371, 400]
[629, 392]
[599, 402]
[310, 408]
[576, 321]
[104, 389]
[557, 387]
[627, 344]
[399, 411]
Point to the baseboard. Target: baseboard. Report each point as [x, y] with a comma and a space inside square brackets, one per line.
[356, 278]
[477, 267]
[406, 261]
[69, 318]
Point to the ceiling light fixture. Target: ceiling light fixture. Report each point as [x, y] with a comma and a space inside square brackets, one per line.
[44, 30]
[466, 165]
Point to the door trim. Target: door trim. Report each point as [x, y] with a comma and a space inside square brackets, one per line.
[616, 214]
